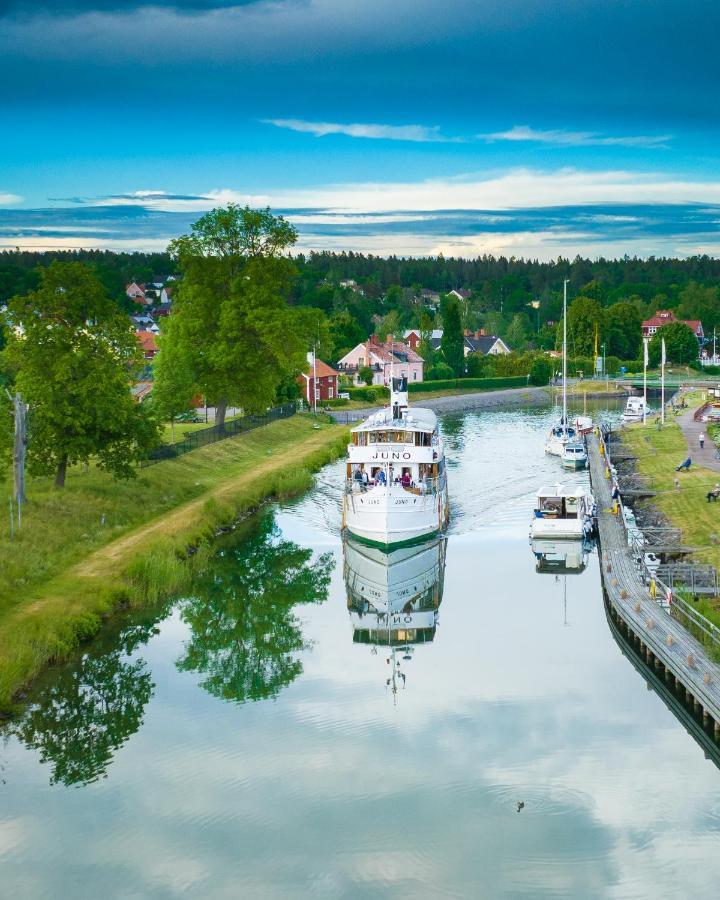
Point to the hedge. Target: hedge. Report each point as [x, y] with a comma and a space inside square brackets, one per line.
[371, 394]
[482, 384]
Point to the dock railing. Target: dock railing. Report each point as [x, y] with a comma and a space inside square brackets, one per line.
[667, 596]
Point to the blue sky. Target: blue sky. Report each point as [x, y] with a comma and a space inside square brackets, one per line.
[586, 126]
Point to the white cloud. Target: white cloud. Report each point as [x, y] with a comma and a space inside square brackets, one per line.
[418, 133]
[577, 138]
[9, 199]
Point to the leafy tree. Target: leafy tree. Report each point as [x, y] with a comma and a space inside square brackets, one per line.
[585, 317]
[245, 636]
[366, 375]
[540, 371]
[231, 309]
[425, 347]
[478, 365]
[345, 333]
[516, 334]
[174, 378]
[623, 330]
[681, 345]
[391, 324]
[452, 344]
[439, 372]
[74, 353]
[701, 302]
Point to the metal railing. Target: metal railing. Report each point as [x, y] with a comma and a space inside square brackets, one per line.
[204, 436]
[421, 488]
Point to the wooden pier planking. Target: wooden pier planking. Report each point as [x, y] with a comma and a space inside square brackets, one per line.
[662, 639]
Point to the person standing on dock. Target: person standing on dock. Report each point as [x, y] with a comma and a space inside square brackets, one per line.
[701, 440]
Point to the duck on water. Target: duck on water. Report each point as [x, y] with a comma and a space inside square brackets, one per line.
[396, 485]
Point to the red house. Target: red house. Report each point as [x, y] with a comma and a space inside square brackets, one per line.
[327, 381]
[148, 343]
[665, 317]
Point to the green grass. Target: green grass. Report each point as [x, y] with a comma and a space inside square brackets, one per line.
[101, 542]
[659, 452]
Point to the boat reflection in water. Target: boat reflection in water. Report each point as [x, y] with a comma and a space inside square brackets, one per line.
[560, 557]
[393, 599]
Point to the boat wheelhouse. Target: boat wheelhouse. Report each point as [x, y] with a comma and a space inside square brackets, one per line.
[396, 486]
[563, 512]
[574, 455]
[636, 410]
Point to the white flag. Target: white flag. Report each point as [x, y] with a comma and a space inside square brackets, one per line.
[662, 353]
[645, 353]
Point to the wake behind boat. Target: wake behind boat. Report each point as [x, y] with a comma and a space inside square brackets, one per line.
[396, 487]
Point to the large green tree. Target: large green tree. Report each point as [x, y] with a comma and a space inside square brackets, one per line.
[173, 375]
[701, 302]
[74, 354]
[232, 315]
[623, 331]
[452, 340]
[585, 320]
[681, 345]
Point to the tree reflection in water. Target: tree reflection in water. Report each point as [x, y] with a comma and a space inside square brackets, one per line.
[85, 712]
[245, 636]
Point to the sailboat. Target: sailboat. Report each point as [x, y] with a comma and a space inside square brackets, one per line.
[563, 432]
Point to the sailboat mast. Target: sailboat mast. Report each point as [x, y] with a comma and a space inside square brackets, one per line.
[564, 364]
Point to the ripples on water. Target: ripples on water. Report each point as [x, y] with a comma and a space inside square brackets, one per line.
[263, 736]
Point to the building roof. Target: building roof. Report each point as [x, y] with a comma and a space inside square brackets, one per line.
[435, 334]
[147, 341]
[482, 344]
[666, 316]
[323, 370]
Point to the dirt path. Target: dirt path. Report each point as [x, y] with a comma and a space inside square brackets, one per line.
[170, 523]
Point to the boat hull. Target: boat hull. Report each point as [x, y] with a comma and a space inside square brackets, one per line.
[394, 517]
[557, 529]
[574, 463]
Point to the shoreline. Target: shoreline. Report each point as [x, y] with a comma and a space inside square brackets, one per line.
[149, 561]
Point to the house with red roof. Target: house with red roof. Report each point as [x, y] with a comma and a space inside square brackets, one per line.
[148, 343]
[326, 386]
[136, 292]
[666, 317]
[383, 358]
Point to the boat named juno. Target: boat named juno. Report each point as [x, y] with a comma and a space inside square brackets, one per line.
[396, 487]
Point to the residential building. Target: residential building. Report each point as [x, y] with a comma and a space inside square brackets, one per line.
[383, 358]
[352, 285]
[460, 294]
[487, 344]
[166, 293]
[148, 344]
[413, 336]
[136, 292]
[326, 387]
[666, 317]
[144, 322]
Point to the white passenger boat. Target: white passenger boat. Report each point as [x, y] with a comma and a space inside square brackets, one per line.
[396, 488]
[563, 511]
[393, 598]
[636, 410]
[574, 455]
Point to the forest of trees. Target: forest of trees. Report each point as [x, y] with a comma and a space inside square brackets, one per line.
[520, 300]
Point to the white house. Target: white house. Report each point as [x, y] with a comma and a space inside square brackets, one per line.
[383, 358]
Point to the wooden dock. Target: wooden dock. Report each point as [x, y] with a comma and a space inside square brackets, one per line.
[680, 660]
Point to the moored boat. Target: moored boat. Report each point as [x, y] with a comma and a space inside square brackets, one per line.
[396, 488]
[574, 455]
[563, 511]
[636, 410]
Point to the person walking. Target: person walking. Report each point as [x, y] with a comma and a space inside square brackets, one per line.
[701, 439]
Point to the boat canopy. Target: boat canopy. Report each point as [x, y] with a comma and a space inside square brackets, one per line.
[415, 419]
[559, 491]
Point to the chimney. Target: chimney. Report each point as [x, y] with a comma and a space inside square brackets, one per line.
[390, 339]
[466, 332]
[373, 339]
[481, 333]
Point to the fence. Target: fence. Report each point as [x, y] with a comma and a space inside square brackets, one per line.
[204, 436]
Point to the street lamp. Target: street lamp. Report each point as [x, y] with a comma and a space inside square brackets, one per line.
[604, 369]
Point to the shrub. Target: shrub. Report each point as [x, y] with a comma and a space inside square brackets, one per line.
[540, 371]
[439, 372]
[336, 401]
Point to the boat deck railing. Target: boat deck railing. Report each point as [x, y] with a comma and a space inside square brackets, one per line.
[419, 488]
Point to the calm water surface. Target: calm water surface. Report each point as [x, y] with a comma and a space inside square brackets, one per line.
[241, 742]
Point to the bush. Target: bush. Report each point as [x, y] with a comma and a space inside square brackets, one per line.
[439, 372]
[482, 384]
[369, 394]
[335, 401]
[540, 371]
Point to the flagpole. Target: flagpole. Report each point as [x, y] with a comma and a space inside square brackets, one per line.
[645, 362]
[564, 366]
[662, 382]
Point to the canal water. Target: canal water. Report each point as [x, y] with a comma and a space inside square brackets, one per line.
[273, 735]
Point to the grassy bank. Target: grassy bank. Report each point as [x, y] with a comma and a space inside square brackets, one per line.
[100, 542]
[659, 452]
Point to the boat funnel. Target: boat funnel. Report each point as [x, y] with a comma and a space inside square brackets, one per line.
[399, 396]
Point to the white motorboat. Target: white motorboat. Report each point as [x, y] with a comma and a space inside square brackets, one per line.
[574, 455]
[636, 410]
[396, 488]
[563, 512]
[560, 557]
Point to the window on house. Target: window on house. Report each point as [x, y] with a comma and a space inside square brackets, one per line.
[330, 393]
[414, 376]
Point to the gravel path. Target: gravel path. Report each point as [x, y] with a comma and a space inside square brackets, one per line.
[530, 396]
[692, 429]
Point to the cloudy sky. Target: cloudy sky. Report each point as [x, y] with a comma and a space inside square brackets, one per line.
[467, 126]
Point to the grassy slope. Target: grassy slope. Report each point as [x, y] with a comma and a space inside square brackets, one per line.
[66, 568]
